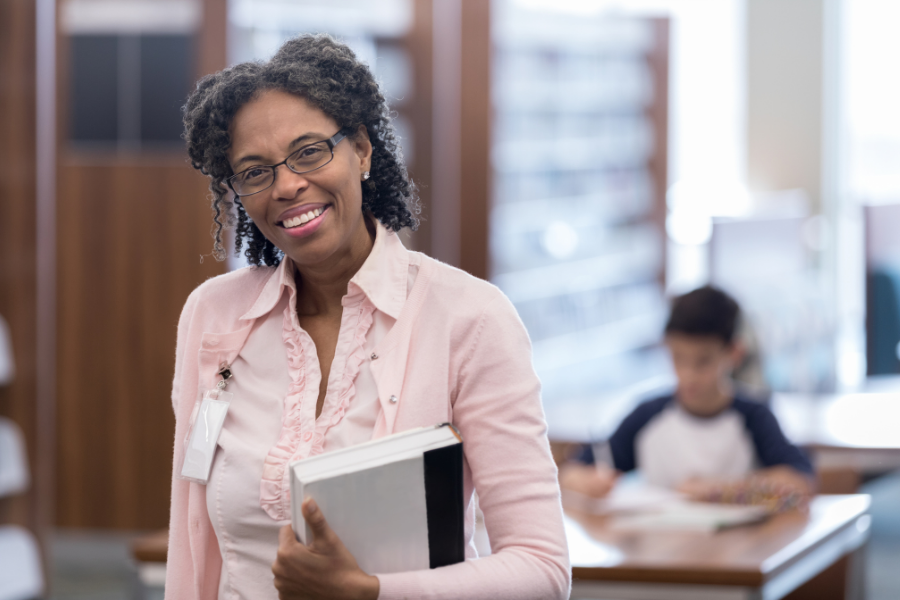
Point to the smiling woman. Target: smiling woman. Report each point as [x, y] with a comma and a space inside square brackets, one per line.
[325, 174]
[332, 81]
[336, 336]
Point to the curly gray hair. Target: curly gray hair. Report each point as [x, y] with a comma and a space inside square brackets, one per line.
[328, 75]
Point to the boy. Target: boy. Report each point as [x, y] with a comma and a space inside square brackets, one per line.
[704, 437]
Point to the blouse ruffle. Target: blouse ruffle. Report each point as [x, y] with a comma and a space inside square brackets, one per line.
[302, 434]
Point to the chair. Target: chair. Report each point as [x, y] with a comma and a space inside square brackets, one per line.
[21, 575]
[13, 463]
[20, 565]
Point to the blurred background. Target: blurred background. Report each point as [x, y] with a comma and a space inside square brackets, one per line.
[591, 158]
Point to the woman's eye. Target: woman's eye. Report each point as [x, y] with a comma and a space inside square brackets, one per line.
[311, 151]
[253, 174]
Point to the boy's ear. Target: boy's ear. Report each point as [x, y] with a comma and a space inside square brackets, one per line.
[736, 352]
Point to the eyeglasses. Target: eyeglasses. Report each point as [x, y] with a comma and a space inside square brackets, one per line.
[259, 178]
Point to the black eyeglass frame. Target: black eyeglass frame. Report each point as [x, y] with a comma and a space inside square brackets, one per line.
[332, 142]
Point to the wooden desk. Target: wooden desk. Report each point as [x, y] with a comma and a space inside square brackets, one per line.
[760, 562]
[149, 553]
[845, 431]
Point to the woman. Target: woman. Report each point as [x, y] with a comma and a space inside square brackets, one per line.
[340, 335]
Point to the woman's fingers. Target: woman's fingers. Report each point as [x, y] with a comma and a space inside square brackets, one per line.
[287, 537]
[323, 539]
[324, 568]
[290, 552]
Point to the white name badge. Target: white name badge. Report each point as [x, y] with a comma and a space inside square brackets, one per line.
[203, 431]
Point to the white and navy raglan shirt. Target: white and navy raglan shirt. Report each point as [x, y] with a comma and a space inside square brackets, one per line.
[670, 445]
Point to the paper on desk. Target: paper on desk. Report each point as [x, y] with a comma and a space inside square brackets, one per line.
[626, 497]
[691, 516]
[635, 505]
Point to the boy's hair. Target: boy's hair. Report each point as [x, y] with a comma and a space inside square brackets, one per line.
[706, 311]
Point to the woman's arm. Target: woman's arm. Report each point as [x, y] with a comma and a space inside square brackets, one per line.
[497, 409]
[180, 573]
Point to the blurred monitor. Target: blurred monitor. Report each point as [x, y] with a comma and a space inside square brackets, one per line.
[748, 253]
[768, 264]
[882, 222]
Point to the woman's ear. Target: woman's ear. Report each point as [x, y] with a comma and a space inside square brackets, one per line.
[362, 145]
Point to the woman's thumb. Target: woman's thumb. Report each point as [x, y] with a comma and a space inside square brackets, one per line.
[313, 516]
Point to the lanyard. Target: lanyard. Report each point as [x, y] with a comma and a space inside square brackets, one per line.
[205, 426]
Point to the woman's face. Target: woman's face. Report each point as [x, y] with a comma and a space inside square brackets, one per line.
[264, 132]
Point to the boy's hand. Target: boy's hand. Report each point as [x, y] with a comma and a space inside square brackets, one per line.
[594, 481]
[777, 488]
[786, 478]
[700, 489]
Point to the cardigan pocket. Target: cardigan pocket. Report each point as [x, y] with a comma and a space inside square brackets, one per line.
[217, 350]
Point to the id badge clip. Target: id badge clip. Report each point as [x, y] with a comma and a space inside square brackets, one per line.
[204, 428]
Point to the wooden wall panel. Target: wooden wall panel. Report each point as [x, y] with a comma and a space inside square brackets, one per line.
[475, 137]
[461, 111]
[133, 240]
[419, 46]
[658, 112]
[18, 250]
[131, 236]
[446, 114]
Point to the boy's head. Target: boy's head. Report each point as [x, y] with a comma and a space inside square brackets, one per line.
[700, 334]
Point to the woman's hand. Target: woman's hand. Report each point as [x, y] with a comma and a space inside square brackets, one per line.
[324, 569]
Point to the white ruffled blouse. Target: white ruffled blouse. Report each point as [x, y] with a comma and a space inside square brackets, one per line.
[272, 419]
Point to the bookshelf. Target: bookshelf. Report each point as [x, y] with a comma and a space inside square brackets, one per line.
[576, 222]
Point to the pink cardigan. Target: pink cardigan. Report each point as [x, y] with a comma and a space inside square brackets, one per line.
[458, 353]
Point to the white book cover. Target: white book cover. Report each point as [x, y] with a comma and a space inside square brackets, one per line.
[387, 532]
[378, 498]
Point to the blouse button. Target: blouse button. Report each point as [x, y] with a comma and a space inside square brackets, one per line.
[307, 436]
[394, 399]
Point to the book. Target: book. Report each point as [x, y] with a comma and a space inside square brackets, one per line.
[396, 503]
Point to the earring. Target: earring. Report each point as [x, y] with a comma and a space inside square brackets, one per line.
[365, 175]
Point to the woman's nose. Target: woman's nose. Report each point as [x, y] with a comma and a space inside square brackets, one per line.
[287, 183]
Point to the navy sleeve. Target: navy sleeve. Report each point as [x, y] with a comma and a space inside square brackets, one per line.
[621, 444]
[585, 454]
[772, 447]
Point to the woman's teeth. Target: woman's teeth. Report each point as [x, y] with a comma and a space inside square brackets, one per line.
[288, 223]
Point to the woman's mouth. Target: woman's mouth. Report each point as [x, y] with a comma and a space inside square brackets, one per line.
[303, 219]
[305, 224]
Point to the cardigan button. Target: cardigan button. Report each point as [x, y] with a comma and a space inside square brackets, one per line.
[307, 436]
[374, 356]
[394, 399]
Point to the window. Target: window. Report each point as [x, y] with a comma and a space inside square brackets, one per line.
[129, 89]
[130, 67]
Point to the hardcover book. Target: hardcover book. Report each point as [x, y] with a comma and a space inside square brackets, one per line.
[396, 503]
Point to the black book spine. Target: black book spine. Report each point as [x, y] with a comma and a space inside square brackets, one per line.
[444, 502]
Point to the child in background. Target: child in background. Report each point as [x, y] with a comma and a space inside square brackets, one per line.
[705, 440]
